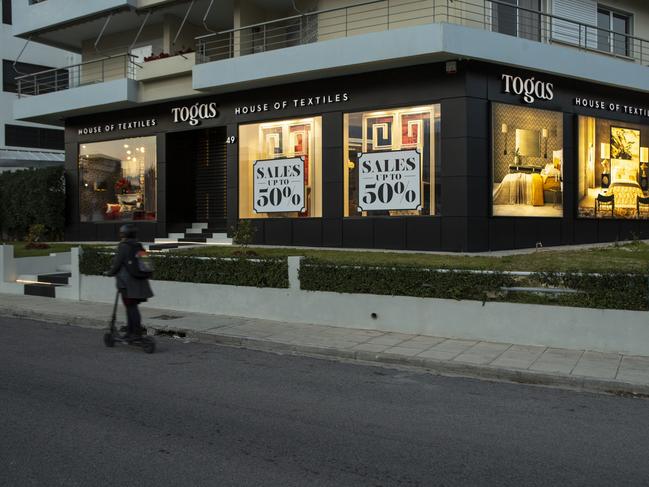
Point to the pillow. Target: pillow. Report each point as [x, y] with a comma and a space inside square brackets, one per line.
[112, 208]
[551, 171]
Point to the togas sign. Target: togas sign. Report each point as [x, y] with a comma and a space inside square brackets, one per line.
[530, 89]
[195, 113]
[389, 180]
[278, 185]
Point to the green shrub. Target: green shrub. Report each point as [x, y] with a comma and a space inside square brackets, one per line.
[610, 290]
[32, 196]
[402, 281]
[604, 291]
[234, 272]
[243, 233]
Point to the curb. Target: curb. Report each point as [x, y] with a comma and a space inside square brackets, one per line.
[374, 358]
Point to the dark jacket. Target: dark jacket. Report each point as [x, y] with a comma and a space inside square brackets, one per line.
[135, 288]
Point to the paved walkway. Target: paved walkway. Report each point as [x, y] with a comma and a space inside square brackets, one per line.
[583, 369]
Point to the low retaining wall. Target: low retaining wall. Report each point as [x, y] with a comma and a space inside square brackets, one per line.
[555, 326]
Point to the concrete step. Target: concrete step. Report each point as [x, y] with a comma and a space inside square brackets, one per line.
[193, 238]
[61, 278]
[43, 289]
[27, 278]
[165, 246]
[219, 239]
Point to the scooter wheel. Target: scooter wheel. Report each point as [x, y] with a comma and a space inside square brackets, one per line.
[148, 345]
[109, 340]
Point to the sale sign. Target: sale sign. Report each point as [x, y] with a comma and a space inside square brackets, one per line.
[389, 180]
[278, 185]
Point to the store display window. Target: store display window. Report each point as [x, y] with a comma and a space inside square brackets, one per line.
[391, 161]
[613, 180]
[118, 180]
[280, 169]
[527, 162]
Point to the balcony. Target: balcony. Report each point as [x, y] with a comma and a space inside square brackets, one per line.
[48, 96]
[389, 33]
[34, 17]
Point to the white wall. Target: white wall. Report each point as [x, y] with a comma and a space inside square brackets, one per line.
[10, 48]
[578, 328]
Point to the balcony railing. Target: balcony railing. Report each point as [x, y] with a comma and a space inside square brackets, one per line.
[381, 15]
[88, 73]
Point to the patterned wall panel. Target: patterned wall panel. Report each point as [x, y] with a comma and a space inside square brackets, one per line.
[517, 117]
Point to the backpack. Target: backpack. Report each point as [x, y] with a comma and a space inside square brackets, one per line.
[139, 264]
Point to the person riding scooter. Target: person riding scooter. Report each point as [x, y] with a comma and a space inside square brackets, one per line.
[134, 289]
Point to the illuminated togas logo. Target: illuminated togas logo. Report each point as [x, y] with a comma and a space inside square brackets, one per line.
[195, 113]
[531, 89]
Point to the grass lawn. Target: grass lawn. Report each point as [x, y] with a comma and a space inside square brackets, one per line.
[632, 257]
[21, 251]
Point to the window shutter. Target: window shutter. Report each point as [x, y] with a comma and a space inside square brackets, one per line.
[582, 11]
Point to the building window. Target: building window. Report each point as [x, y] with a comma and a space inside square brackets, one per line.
[117, 180]
[11, 72]
[613, 161]
[527, 162]
[34, 137]
[392, 159]
[613, 31]
[520, 19]
[6, 12]
[280, 169]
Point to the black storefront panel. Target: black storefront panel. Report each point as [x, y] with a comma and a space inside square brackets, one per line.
[463, 218]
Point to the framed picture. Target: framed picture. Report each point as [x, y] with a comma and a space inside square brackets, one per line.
[625, 144]
[378, 132]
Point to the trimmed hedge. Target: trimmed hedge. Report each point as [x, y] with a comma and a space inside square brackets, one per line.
[32, 196]
[317, 275]
[604, 291]
[611, 290]
[234, 272]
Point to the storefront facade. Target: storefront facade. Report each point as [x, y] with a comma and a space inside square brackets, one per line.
[462, 156]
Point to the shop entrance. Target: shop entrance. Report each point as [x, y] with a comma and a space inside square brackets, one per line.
[196, 179]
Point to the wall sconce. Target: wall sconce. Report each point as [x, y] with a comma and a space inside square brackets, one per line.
[504, 130]
[544, 135]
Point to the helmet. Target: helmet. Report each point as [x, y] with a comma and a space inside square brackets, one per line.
[127, 230]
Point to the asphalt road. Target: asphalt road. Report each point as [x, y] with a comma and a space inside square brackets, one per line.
[74, 413]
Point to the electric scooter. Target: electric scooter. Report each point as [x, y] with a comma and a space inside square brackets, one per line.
[113, 336]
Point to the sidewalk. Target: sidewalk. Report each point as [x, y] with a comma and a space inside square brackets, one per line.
[581, 369]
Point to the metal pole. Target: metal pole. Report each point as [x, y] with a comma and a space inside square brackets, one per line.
[484, 14]
[137, 36]
[110, 16]
[388, 19]
[182, 24]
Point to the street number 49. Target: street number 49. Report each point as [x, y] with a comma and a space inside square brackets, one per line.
[231, 139]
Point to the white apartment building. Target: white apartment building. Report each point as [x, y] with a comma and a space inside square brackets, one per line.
[26, 144]
[454, 125]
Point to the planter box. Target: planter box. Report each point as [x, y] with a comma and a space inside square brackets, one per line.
[167, 67]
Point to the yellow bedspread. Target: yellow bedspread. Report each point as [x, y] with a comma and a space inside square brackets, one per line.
[537, 190]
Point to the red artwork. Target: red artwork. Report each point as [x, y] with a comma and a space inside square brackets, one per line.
[411, 125]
